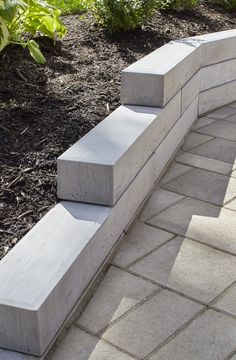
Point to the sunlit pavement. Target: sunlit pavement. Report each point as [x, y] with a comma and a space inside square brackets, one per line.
[171, 290]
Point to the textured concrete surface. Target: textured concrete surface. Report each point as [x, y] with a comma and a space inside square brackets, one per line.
[170, 292]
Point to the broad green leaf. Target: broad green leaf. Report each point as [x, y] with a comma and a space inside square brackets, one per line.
[35, 52]
[10, 9]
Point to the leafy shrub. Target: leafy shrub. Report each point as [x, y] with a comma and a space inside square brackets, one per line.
[18, 18]
[123, 15]
[228, 4]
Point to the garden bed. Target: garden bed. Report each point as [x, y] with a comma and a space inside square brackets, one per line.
[44, 110]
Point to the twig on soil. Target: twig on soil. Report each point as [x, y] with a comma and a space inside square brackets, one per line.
[28, 212]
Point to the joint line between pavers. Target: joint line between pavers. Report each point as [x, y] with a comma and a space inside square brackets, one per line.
[195, 198]
[164, 287]
[198, 167]
[229, 201]
[204, 143]
[172, 336]
[81, 327]
[132, 309]
[230, 356]
[166, 208]
[188, 171]
[197, 131]
[150, 252]
[192, 239]
[207, 156]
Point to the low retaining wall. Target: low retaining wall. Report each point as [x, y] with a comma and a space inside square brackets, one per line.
[108, 175]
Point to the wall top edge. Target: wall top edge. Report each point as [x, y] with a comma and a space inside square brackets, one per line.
[67, 220]
[170, 55]
[108, 141]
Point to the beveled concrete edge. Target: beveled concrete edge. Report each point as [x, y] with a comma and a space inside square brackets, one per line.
[179, 68]
[155, 72]
[148, 175]
[111, 224]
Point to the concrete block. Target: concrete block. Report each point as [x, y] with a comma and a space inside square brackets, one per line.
[174, 138]
[43, 277]
[217, 47]
[218, 74]
[155, 79]
[99, 167]
[216, 97]
[39, 278]
[190, 91]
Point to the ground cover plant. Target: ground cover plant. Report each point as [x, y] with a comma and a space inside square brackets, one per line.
[45, 109]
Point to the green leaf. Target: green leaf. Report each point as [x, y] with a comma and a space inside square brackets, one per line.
[10, 9]
[35, 52]
[4, 34]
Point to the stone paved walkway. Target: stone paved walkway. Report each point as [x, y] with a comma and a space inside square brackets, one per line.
[171, 290]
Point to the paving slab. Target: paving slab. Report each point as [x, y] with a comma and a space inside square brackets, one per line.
[204, 121]
[205, 163]
[174, 171]
[149, 325]
[194, 269]
[78, 345]
[204, 185]
[139, 241]
[13, 355]
[231, 205]
[194, 139]
[222, 113]
[221, 129]
[231, 118]
[209, 337]
[159, 201]
[118, 292]
[178, 217]
[228, 301]
[218, 149]
[201, 221]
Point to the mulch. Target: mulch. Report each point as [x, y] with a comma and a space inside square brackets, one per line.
[44, 110]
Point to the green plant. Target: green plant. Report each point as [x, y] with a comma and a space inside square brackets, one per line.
[228, 4]
[179, 5]
[21, 18]
[72, 6]
[123, 15]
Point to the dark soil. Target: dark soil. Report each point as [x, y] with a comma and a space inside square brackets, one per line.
[44, 110]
